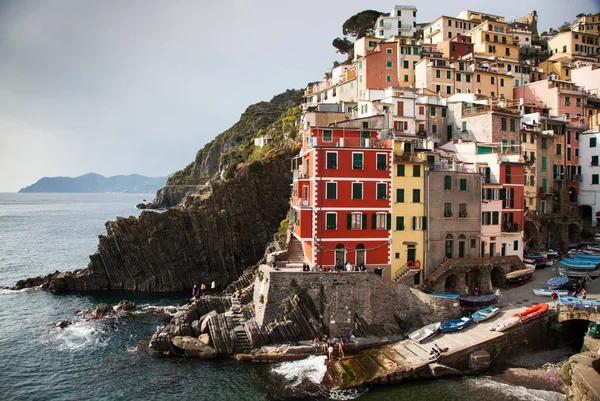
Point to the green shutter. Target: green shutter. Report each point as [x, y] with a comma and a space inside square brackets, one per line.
[463, 184]
[495, 218]
[416, 195]
[374, 221]
[503, 194]
[349, 221]
[416, 171]
[414, 222]
[545, 185]
[400, 195]
[356, 190]
[364, 221]
[448, 182]
[331, 190]
[400, 170]
[399, 223]
[544, 163]
[389, 221]
[424, 225]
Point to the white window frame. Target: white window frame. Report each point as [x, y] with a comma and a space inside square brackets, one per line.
[337, 159]
[323, 135]
[356, 221]
[336, 190]
[386, 161]
[336, 220]
[362, 156]
[377, 190]
[362, 190]
[382, 217]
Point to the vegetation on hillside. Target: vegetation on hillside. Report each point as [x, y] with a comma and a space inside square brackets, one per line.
[357, 26]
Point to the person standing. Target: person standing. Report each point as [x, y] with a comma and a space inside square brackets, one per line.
[341, 347]
[195, 291]
[583, 294]
[554, 298]
[202, 289]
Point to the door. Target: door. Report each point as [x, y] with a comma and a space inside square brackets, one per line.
[461, 249]
[503, 249]
[411, 255]
[493, 249]
[340, 255]
[360, 255]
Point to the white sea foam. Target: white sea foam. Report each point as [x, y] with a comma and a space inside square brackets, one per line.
[516, 392]
[347, 394]
[8, 291]
[312, 368]
[78, 336]
[147, 308]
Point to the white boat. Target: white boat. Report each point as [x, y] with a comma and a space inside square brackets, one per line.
[506, 323]
[529, 266]
[544, 292]
[425, 333]
[578, 273]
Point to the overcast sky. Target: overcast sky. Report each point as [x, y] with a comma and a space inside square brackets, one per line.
[121, 87]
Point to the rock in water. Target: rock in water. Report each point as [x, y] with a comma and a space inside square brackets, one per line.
[63, 323]
[125, 306]
[100, 311]
[204, 338]
[480, 361]
[194, 347]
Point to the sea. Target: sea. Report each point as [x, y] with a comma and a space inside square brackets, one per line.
[108, 359]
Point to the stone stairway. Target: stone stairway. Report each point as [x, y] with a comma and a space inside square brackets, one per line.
[295, 254]
[242, 343]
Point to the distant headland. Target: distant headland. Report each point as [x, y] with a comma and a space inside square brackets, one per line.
[91, 183]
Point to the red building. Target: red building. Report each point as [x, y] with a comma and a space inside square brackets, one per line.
[512, 195]
[341, 197]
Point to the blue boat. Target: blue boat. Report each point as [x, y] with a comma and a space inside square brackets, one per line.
[456, 324]
[556, 283]
[580, 303]
[571, 263]
[478, 300]
[587, 256]
[453, 296]
[535, 256]
[485, 314]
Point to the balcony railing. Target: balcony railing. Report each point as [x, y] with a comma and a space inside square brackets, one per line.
[410, 157]
[296, 174]
[352, 143]
[576, 122]
[405, 27]
[510, 228]
[303, 202]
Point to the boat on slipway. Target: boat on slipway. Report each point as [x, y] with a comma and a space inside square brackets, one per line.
[506, 323]
[452, 296]
[456, 324]
[544, 292]
[533, 312]
[425, 333]
[478, 300]
[591, 273]
[579, 303]
[485, 314]
[557, 282]
[519, 276]
[580, 264]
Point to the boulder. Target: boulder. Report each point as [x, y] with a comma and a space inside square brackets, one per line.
[195, 328]
[63, 323]
[193, 347]
[204, 338]
[125, 306]
[100, 311]
[439, 370]
[480, 361]
[204, 321]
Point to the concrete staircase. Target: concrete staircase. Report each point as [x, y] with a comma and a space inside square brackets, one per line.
[242, 341]
[295, 254]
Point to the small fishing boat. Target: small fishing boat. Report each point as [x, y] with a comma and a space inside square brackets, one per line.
[544, 292]
[530, 265]
[585, 255]
[456, 324]
[453, 296]
[425, 333]
[552, 254]
[579, 303]
[578, 272]
[485, 314]
[506, 323]
[530, 261]
[519, 276]
[534, 256]
[534, 312]
[574, 263]
[547, 262]
[556, 282]
[478, 300]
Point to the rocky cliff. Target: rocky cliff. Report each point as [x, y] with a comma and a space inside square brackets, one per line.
[210, 236]
[222, 154]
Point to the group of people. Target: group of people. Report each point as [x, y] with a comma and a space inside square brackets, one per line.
[198, 292]
[335, 269]
[436, 351]
[327, 346]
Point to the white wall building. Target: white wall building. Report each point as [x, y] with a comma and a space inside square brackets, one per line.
[589, 187]
[402, 21]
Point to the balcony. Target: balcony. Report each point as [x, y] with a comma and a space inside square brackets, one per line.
[509, 227]
[352, 143]
[384, 26]
[576, 123]
[303, 202]
[405, 27]
[297, 174]
[410, 157]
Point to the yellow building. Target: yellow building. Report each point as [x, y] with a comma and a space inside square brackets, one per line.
[494, 39]
[589, 23]
[436, 75]
[409, 222]
[408, 56]
[562, 68]
[477, 16]
[574, 46]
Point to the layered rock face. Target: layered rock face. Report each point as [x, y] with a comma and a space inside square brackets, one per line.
[211, 236]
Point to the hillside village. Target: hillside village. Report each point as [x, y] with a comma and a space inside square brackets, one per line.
[467, 137]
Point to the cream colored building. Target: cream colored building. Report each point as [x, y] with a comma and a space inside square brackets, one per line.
[444, 28]
[589, 23]
[574, 46]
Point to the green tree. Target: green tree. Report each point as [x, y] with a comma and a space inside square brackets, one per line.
[343, 46]
[361, 24]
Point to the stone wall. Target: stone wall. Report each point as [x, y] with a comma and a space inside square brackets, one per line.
[349, 302]
[459, 275]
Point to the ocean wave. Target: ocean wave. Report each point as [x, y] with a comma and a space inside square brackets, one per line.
[8, 291]
[515, 392]
[148, 308]
[312, 369]
[347, 394]
[77, 336]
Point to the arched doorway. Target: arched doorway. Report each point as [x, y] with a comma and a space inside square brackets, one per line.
[462, 246]
[532, 235]
[473, 279]
[449, 246]
[497, 277]
[573, 194]
[574, 233]
[340, 255]
[585, 212]
[451, 284]
[361, 255]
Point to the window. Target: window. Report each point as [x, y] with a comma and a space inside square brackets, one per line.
[434, 128]
[357, 190]
[558, 148]
[592, 142]
[419, 223]
[416, 171]
[544, 163]
[473, 243]
[448, 89]
[449, 246]
[567, 100]
[513, 125]
[463, 184]
[447, 183]
[448, 75]
[357, 161]
[492, 80]
[462, 210]
[389, 64]
[438, 88]
[544, 143]
[400, 170]
[443, 112]
[503, 123]
[478, 78]
[388, 51]
[405, 64]
[464, 125]
[382, 221]
[433, 115]
[438, 73]
[357, 221]
[331, 190]
[399, 223]
[502, 83]
[416, 196]
[388, 78]
[327, 135]
[447, 209]
[381, 161]
[400, 195]
[381, 190]
[516, 245]
[331, 160]
[594, 160]
[458, 77]
[468, 77]
[595, 180]
[495, 218]
[330, 221]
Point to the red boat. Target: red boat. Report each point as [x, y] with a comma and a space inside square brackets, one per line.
[534, 312]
